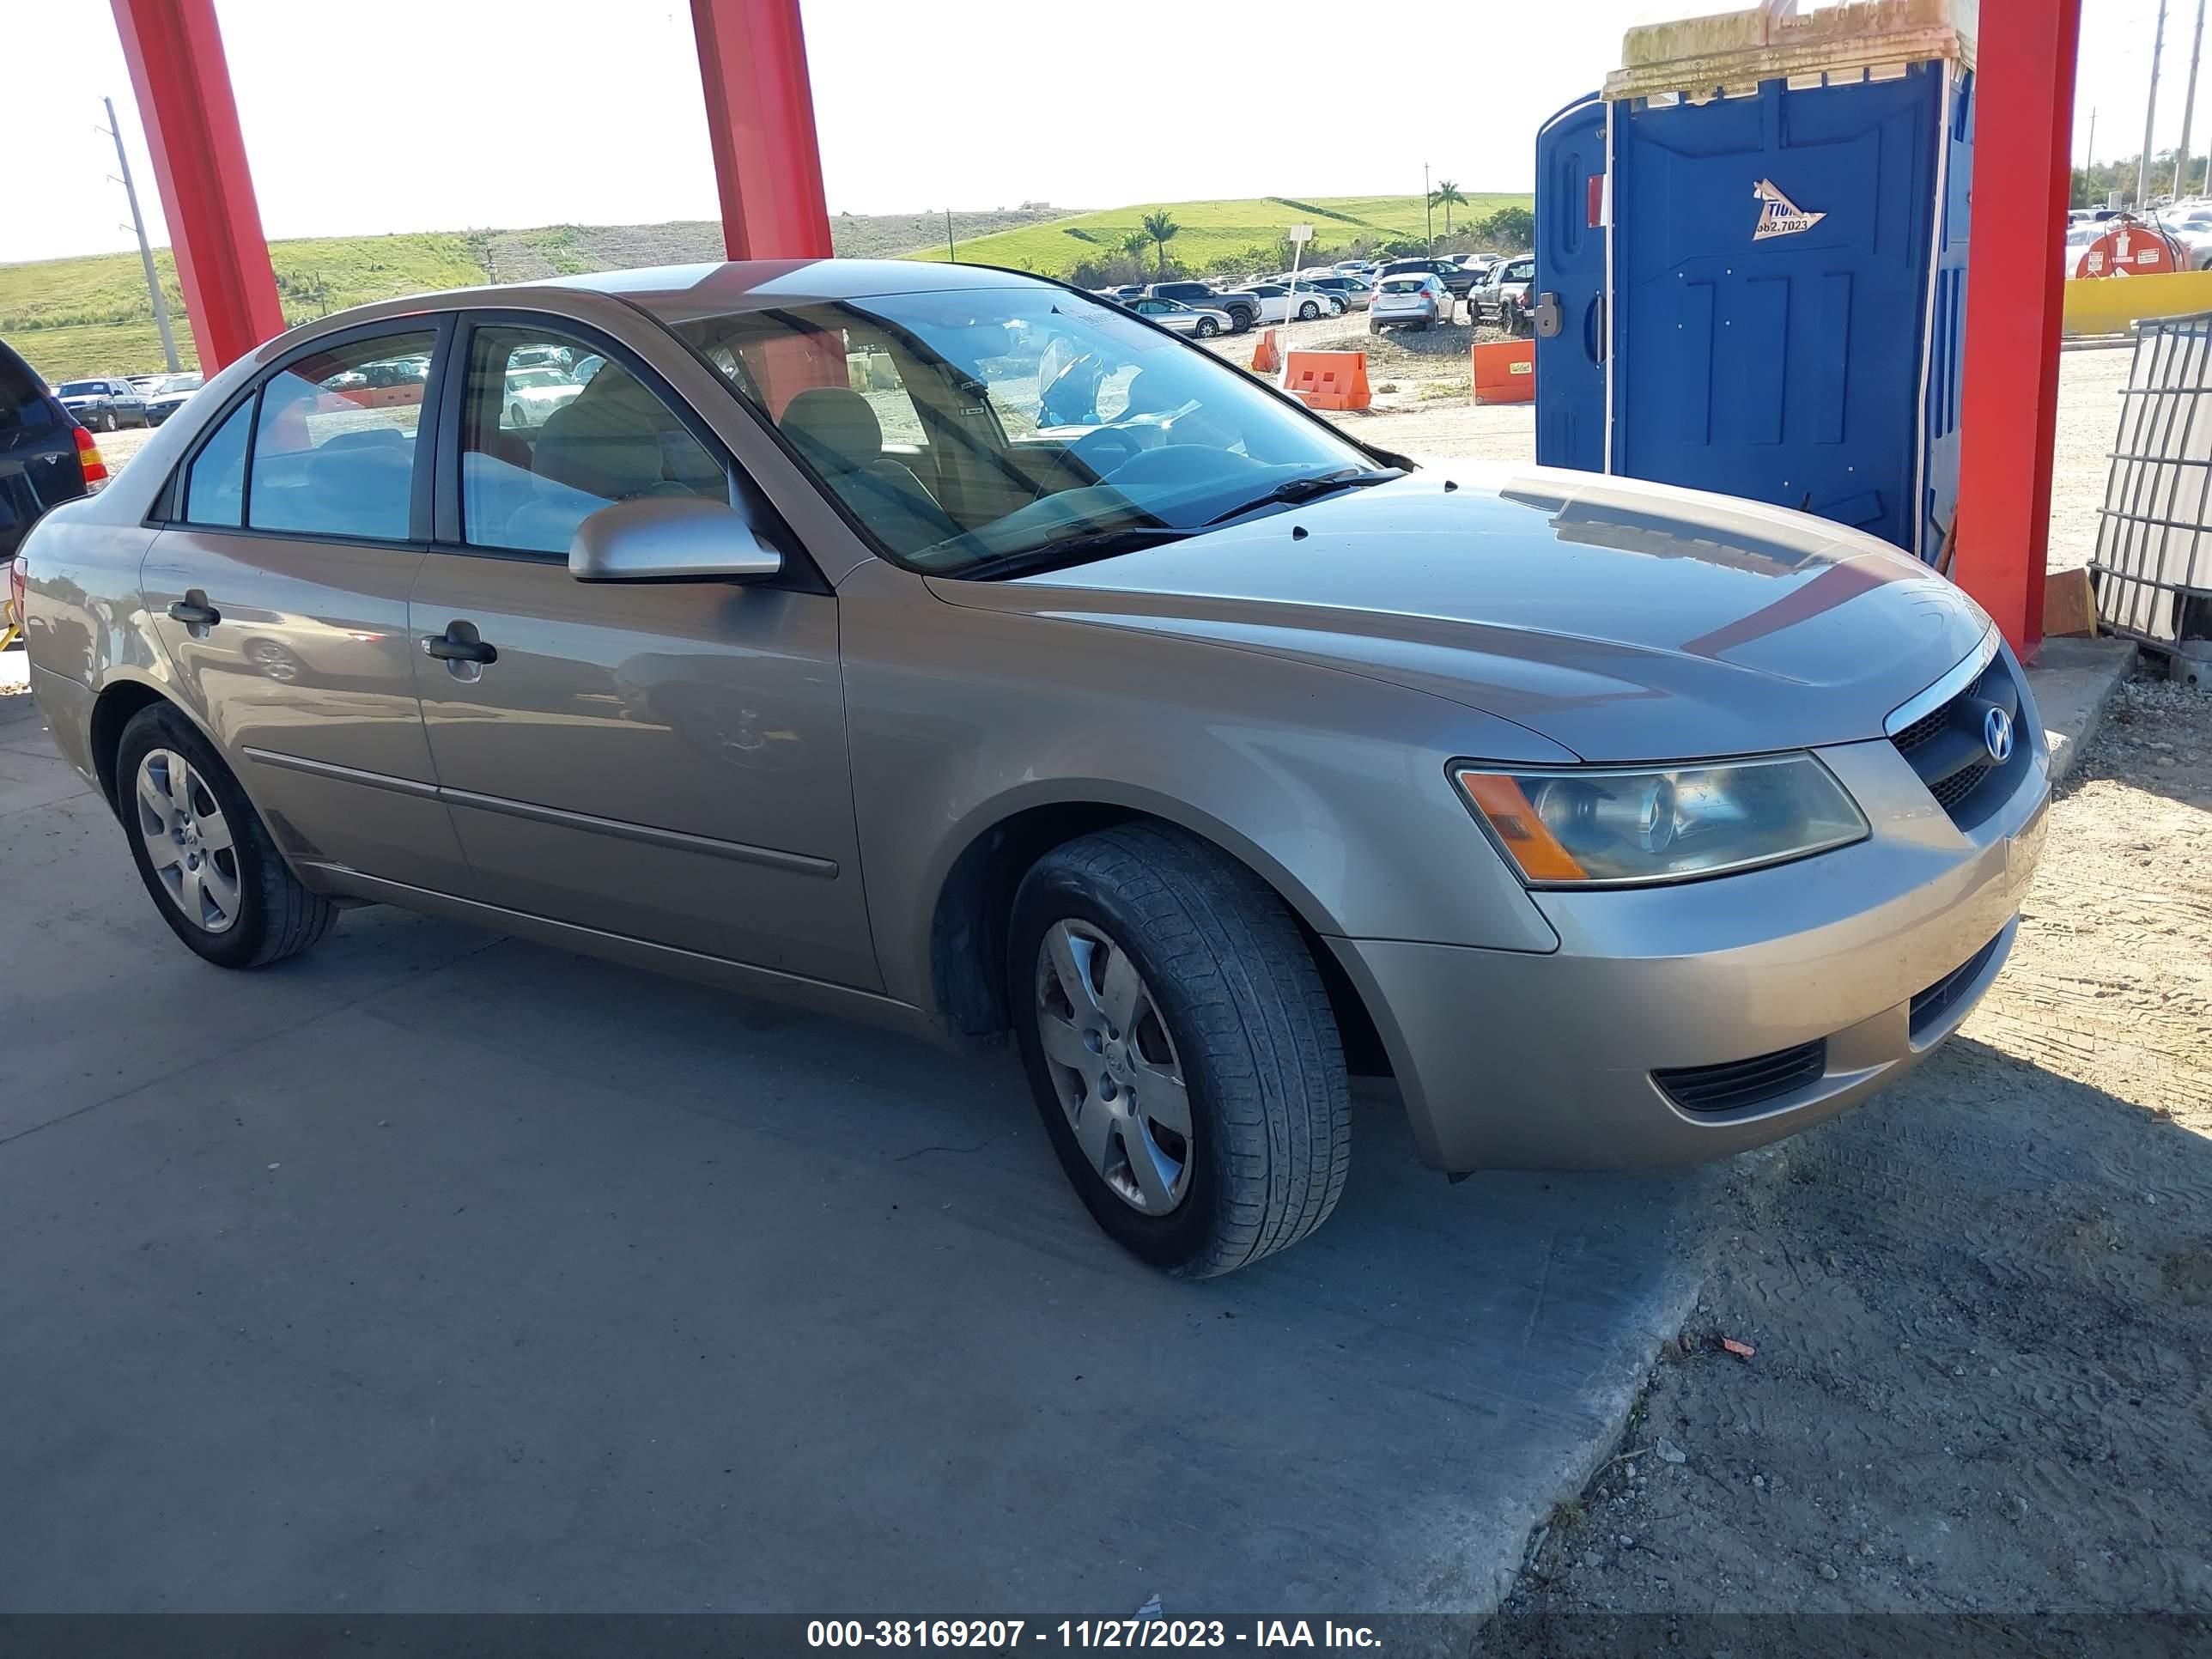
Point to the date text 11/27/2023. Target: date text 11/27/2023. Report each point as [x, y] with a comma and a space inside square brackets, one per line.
[1139, 1632]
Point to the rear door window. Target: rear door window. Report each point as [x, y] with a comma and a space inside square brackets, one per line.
[334, 440]
[214, 486]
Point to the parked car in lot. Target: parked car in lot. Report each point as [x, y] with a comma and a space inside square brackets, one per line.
[534, 394]
[1242, 311]
[45, 456]
[1278, 304]
[168, 393]
[1180, 318]
[1455, 277]
[1507, 300]
[104, 403]
[1413, 299]
[1195, 742]
[1354, 291]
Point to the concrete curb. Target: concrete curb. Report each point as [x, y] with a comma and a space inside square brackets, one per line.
[2075, 682]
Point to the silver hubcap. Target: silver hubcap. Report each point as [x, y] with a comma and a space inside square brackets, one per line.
[187, 841]
[1113, 1066]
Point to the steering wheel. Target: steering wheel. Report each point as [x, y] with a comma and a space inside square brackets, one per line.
[1104, 449]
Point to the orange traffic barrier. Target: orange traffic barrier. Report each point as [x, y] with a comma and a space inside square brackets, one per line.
[1328, 379]
[1505, 371]
[1266, 359]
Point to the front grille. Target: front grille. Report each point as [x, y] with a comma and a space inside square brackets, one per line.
[1929, 1007]
[1739, 1083]
[1947, 748]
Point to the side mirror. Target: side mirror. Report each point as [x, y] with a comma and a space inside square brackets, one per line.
[670, 538]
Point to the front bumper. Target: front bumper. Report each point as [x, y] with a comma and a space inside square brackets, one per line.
[1518, 1061]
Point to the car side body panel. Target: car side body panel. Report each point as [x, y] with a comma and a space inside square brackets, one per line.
[1348, 813]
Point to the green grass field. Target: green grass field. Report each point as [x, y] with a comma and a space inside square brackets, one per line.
[91, 315]
[1215, 233]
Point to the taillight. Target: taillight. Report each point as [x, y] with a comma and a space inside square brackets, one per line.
[89, 457]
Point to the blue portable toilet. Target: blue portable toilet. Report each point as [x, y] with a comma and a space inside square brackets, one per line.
[1751, 253]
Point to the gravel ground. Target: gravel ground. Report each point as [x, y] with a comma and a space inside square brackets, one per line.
[1981, 1307]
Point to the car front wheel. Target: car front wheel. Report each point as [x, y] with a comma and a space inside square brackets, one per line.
[214, 873]
[1308, 311]
[1207, 328]
[1181, 1047]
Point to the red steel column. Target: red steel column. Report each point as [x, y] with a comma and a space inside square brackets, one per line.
[760, 120]
[2023, 170]
[183, 81]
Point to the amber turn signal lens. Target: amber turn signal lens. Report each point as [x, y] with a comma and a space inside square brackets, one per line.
[1533, 846]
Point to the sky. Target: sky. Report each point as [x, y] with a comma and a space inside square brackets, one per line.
[365, 115]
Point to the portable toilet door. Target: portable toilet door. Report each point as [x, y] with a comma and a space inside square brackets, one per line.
[1573, 338]
[1783, 245]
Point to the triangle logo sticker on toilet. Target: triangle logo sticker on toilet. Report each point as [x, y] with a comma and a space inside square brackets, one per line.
[1778, 216]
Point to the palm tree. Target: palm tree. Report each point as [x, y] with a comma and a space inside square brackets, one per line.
[1444, 195]
[1136, 245]
[1163, 230]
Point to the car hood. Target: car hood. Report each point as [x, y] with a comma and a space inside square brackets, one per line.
[1623, 621]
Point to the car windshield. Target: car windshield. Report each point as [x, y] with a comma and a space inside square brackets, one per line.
[178, 383]
[81, 388]
[973, 431]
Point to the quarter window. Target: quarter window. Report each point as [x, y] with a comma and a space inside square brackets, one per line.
[553, 430]
[215, 489]
[334, 442]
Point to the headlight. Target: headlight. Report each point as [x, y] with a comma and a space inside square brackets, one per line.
[1589, 827]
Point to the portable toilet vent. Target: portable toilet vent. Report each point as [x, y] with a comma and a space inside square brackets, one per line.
[1751, 262]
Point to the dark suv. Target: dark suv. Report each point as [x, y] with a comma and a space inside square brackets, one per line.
[43, 450]
[1244, 310]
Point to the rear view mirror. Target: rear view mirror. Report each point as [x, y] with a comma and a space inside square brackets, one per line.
[670, 538]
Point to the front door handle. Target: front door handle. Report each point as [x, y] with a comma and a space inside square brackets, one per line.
[196, 613]
[462, 649]
[459, 643]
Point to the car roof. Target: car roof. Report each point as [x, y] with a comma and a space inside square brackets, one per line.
[676, 292]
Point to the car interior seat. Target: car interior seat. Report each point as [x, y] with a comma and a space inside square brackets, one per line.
[838, 434]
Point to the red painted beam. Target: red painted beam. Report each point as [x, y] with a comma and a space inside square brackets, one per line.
[2023, 143]
[760, 123]
[178, 69]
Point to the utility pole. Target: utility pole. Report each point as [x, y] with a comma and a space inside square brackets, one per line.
[2150, 112]
[2091, 164]
[953, 253]
[114, 129]
[2182, 157]
[1428, 207]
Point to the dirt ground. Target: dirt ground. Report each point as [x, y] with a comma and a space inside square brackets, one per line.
[1981, 1306]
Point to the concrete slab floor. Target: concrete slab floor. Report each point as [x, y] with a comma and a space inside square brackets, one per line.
[436, 1272]
[2074, 682]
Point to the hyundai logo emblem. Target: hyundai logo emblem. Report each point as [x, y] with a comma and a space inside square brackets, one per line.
[1996, 735]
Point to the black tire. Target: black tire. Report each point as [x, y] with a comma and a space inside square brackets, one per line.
[1242, 320]
[514, 416]
[277, 917]
[108, 421]
[1245, 1009]
[1207, 328]
[1308, 311]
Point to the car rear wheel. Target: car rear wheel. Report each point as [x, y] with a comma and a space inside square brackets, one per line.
[203, 851]
[1181, 1047]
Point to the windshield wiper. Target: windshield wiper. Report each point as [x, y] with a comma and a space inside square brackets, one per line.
[1073, 550]
[1304, 489]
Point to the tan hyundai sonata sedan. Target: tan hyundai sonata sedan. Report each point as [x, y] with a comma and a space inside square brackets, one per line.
[944, 648]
